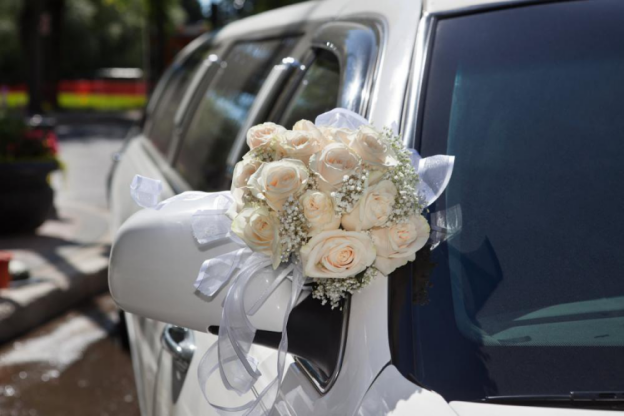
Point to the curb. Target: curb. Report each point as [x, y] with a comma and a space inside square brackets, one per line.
[25, 306]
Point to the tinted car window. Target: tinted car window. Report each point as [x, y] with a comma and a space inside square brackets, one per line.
[528, 298]
[161, 130]
[223, 110]
[318, 91]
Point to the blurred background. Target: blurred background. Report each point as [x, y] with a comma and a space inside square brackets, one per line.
[75, 76]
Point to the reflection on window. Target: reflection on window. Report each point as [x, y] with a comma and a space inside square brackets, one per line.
[223, 110]
[529, 297]
[161, 131]
[318, 92]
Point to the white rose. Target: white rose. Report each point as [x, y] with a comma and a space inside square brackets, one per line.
[308, 126]
[334, 162]
[318, 209]
[398, 244]
[274, 182]
[373, 208]
[335, 134]
[302, 144]
[259, 229]
[243, 171]
[262, 134]
[337, 254]
[374, 150]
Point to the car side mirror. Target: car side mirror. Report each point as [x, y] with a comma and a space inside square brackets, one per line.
[155, 260]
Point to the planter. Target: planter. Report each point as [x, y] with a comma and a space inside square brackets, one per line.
[26, 198]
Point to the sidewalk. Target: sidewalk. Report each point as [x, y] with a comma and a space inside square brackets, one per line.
[68, 263]
[67, 257]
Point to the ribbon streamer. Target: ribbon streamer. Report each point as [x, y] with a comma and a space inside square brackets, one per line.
[145, 191]
[229, 356]
[216, 272]
[341, 118]
[434, 173]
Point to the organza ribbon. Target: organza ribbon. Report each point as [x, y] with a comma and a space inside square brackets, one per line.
[229, 358]
[145, 191]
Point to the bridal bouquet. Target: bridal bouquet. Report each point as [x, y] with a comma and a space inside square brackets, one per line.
[335, 203]
[344, 201]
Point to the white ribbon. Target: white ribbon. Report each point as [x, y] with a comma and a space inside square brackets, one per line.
[216, 272]
[229, 359]
[238, 370]
[434, 173]
[341, 118]
[145, 191]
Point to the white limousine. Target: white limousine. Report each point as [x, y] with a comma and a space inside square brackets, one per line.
[519, 312]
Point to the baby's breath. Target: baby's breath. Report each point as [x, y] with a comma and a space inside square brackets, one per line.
[335, 289]
[350, 192]
[405, 178]
[293, 229]
[269, 152]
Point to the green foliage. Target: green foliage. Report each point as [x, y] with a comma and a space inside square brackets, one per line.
[12, 65]
[101, 34]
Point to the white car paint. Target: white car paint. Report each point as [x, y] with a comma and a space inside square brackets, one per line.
[367, 385]
[477, 409]
[140, 277]
[391, 394]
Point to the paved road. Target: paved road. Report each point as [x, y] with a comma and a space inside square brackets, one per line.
[75, 364]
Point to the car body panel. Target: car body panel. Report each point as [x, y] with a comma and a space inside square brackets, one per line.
[482, 409]
[391, 394]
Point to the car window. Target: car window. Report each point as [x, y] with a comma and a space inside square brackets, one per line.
[318, 91]
[223, 109]
[162, 118]
[528, 298]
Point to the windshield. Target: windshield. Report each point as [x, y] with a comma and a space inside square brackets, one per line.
[528, 297]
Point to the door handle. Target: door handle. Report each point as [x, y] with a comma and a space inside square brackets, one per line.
[180, 343]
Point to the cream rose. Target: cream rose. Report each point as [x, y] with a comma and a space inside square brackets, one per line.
[398, 244]
[274, 182]
[259, 229]
[334, 134]
[337, 254]
[302, 144]
[307, 126]
[334, 162]
[243, 171]
[318, 209]
[370, 145]
[262, 134]
[373, 209]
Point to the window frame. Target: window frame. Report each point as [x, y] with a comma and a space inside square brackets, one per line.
[206, 80]
[204, 41]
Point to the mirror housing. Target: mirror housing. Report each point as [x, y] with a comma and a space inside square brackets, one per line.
[154, 263]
